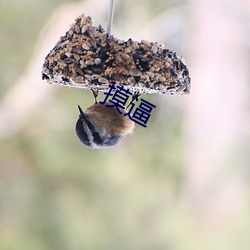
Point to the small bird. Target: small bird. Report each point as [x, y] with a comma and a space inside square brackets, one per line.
[102, 127]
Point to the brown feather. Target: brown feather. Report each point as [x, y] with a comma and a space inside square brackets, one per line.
[109, 119]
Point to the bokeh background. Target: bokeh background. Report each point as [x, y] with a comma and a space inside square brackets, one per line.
[181, 183]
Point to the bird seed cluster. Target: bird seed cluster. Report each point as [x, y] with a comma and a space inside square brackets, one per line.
[87, 57]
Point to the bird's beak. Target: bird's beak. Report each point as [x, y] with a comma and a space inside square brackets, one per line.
[82, 115]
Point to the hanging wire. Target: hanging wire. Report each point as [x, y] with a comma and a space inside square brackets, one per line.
[110, 15]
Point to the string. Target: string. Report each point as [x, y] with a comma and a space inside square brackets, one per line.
[110, 15]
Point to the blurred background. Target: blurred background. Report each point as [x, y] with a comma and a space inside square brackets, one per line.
[181, 183]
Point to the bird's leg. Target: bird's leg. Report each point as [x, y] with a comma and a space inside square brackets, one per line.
[95, 94]
[134, 97]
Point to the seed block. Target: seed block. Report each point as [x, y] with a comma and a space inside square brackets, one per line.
[89, 58]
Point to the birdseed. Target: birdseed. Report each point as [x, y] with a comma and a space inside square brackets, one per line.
[87, 57]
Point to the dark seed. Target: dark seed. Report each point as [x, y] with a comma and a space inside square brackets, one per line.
[45, 77]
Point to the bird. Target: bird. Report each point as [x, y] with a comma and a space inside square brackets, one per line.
[101, 126]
